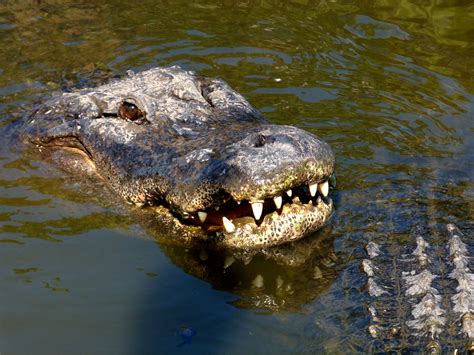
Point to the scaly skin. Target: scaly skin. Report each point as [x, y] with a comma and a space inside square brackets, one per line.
[168, 137]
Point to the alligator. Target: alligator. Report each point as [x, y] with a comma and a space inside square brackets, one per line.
[211, 167]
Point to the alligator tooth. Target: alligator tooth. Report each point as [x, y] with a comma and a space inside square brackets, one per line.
[324, 188]
[229, 260]
[312, 189]
[258, 281]
[228, 225]
[278, 201]
[257, 208]
[217, 208]
[239, 202]
[202, 216]
[289, 193]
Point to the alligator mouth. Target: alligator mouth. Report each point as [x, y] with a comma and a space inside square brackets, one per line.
[275, 220]
[226, 215]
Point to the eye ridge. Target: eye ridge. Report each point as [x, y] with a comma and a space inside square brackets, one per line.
[129, 111]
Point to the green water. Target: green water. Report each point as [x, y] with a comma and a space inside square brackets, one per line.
[389, 84]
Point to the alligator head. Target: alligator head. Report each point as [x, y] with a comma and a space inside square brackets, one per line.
[194, 150]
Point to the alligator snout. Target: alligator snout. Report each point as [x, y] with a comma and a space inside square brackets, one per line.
[273, 160]
[271, 181]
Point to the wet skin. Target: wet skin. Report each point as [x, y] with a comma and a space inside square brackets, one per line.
[194, 150]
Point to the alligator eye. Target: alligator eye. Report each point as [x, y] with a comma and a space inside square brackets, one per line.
[130, 111]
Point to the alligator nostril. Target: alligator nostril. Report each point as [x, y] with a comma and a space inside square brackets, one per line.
[260, 140]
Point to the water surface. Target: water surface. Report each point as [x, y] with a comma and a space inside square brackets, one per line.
[389, 84]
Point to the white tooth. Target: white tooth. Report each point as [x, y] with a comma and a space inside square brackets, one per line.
[228, 225]
[229, 260]
[258, 281]
[257, 208]
[289, 193]
[324, 188]
[312, 189]
[217, 208]
[238, 202]
[202, 216]
[278, 200]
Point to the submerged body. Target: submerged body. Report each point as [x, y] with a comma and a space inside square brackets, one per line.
[196, 151]
[421, 294]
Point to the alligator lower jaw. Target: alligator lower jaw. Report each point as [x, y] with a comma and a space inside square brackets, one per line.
[295, 221]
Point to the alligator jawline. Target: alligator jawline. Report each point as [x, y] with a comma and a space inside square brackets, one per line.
[308, 203]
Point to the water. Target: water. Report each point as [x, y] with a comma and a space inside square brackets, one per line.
[388, 84]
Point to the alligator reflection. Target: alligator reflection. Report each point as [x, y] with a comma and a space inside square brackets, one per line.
[284, 277]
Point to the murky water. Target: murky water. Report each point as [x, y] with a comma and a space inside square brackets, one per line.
[388, 84]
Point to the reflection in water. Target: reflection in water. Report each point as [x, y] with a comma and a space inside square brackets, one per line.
[282, 278]
[387, 84]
